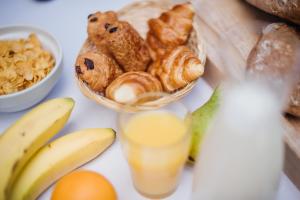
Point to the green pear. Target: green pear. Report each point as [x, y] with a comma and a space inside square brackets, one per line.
[201, 119]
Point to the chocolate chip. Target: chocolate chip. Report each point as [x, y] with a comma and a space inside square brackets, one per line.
[78, 70]
[94, 19]
[89, 64]
[11, 53]
[112, 30]
[85, 82]
[89, 16]
[107, 25]
[191, 159]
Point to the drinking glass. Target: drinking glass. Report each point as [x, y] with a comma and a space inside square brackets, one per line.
[155, 151]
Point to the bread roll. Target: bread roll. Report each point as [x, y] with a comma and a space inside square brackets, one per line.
[275, 57]
[287, 9]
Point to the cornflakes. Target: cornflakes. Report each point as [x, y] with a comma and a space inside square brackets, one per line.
[23, 63]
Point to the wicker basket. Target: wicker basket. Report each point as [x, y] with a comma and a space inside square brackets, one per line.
[137, 14]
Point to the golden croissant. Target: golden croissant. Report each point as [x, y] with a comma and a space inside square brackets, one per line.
[171, 29]
[131, 85]
[177, 68]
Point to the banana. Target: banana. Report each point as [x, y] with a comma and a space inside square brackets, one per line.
[58, 158]
[20, 141]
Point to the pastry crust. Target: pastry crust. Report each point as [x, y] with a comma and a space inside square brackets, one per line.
[127, 47]
[97, 23]
[96, 70]
[171, 29]
[177, 68]
[131, 85]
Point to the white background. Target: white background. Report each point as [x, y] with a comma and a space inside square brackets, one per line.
[66, 20]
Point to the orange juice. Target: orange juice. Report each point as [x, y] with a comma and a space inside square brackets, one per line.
[157, 149]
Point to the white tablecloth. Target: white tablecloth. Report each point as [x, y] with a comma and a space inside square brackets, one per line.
[66, 20]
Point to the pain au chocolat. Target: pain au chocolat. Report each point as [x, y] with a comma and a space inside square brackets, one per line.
[96, 70]
[127, 46]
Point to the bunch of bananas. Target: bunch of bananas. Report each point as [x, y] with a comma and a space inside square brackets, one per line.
[29, 165]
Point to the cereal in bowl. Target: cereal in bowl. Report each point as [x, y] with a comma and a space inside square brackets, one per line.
[23, 63]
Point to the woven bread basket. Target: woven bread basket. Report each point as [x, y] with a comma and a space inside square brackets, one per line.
[137, 14]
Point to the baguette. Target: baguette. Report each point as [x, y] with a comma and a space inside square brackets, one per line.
[287, 9]
[274, 57]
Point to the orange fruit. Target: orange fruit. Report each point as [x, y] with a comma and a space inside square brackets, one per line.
[83, 185]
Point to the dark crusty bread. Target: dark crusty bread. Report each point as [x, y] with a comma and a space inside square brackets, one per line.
[275, 56]
[287, 9]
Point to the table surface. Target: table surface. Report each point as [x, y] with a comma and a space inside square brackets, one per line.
[66, 20]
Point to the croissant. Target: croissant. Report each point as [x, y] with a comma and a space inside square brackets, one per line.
[96, 70]
[97, 23]
[130, 85]
[177, 68]
[127, 46]
[171, 29]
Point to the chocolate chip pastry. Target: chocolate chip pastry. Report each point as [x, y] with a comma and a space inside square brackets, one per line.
[97, 25]
[97, 70]
[127, 46]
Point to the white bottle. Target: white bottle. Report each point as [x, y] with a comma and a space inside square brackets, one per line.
[241, 157]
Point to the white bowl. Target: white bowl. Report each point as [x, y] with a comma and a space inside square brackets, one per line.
[34, 94]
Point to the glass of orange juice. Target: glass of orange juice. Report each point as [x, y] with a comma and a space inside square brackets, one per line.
[156, 144]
